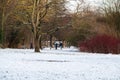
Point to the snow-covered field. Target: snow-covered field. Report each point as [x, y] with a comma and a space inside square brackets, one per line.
[66, 64]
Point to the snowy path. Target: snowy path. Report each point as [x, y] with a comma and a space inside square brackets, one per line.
[66, 64]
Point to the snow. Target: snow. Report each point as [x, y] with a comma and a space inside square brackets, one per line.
[65, 64]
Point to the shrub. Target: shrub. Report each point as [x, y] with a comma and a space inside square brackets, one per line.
[101, 44]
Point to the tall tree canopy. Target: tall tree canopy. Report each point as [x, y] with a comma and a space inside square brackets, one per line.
[112, 14]
[6, 9]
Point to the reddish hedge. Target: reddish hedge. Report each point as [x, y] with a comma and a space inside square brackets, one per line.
[101, 44]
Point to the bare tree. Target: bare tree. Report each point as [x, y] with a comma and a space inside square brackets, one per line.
[111, 9]
[7, 7]
[40, 9]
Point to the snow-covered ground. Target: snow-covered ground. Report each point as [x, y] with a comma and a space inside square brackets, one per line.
[66, 64]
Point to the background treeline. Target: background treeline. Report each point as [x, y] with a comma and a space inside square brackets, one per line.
[93, 29]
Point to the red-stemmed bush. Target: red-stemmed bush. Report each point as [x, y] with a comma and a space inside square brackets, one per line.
[101, 44]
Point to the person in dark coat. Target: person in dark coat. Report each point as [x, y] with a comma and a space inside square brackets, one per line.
[61, 45]
[56, 45]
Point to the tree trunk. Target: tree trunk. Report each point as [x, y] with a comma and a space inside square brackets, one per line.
[51, 41]
[2, 29]
[40, 42]
[36, 43]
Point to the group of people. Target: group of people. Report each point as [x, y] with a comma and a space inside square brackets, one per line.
[58, 44]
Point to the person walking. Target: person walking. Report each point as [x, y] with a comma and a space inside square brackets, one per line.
[56, 45]
[61, 45]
